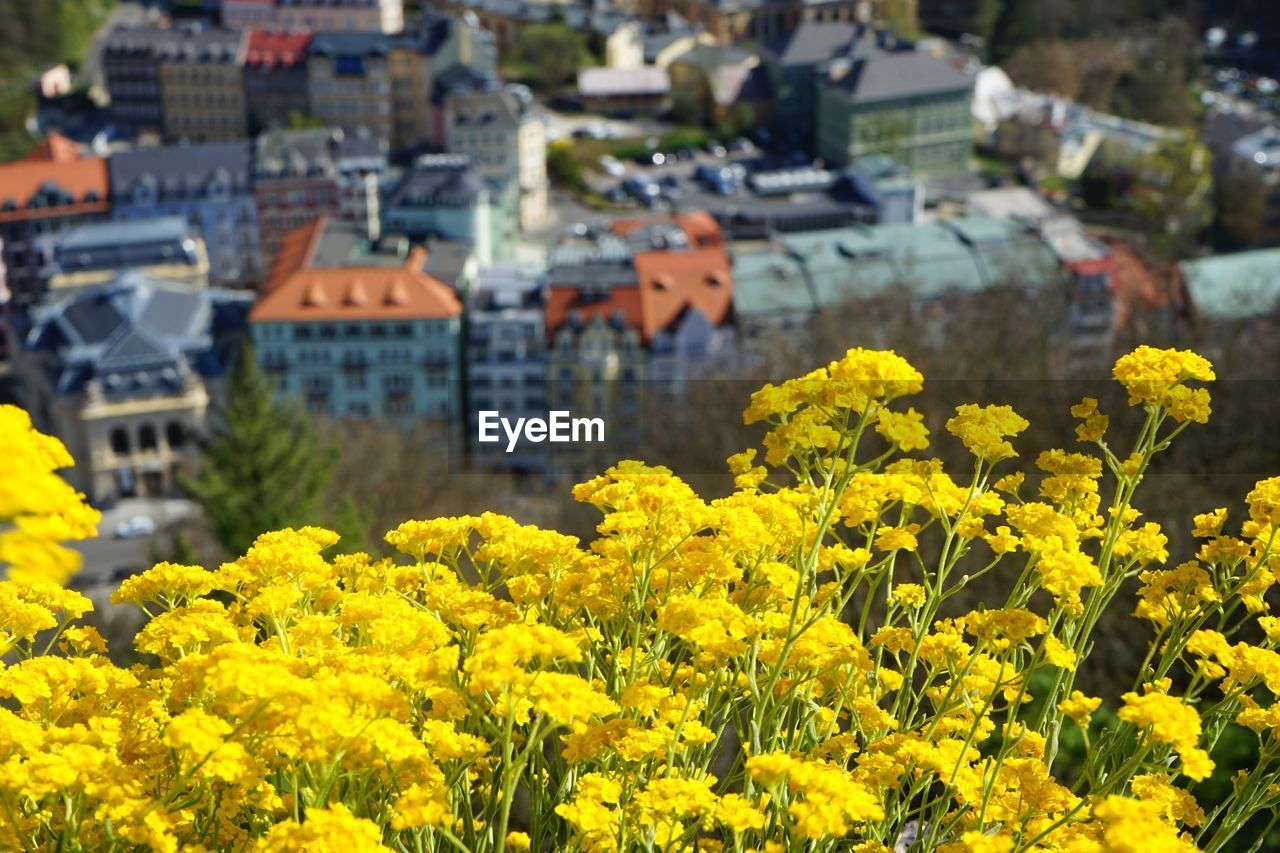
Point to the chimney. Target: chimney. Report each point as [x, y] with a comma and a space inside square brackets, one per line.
[417, 259]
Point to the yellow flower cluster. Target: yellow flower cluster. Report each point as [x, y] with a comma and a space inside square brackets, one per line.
[780, 669]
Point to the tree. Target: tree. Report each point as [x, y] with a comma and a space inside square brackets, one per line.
[263, 467]
[1047, 67]
[1174, 195]
[548, 56]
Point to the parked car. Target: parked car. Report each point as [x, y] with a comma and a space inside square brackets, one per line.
[742, 145]
[135, 526]
[612, 166]
[577, 229]
[724, 180]
[670, 187]
[644, 190]
[686, 153]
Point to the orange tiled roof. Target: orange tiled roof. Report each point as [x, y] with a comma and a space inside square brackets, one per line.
[699, 226]
[674, 282]
[55, 161]
[670, 283]
[563, 301]
[297, 292]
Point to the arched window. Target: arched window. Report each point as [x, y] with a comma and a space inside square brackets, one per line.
[119, 441]
[147, 437]
[175, 434]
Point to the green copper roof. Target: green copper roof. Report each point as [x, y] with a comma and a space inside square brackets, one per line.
[1231, 287]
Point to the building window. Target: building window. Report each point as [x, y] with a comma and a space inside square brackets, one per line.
[119, 441]
[147, 437]
[175, 434]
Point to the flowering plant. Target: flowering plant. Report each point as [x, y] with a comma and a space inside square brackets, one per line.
[776, 670]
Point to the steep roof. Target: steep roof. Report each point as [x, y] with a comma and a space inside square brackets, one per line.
[813, 42]
[606, 82]
[297, 292]
[672, 283]
[885, 75]
[56, 164]
[438, 177]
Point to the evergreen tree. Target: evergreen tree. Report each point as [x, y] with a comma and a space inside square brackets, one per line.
[263, 467]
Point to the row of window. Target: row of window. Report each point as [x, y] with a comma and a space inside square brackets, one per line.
[122, 443]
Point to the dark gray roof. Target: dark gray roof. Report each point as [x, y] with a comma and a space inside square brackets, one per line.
[183, 165]
[811, 43]
[447, 179]
[352, 43]
[127, 243]
[884, 75]
[296, 153]
[459, 78]
[187, 41]
[136, 335]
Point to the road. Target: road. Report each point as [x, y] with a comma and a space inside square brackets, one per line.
[107, 559]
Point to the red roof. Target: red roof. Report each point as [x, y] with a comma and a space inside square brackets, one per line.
[297, 292]
[56, 161]
[671, 282]
[270, 48]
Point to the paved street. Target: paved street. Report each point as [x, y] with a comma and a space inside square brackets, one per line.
[107, 559]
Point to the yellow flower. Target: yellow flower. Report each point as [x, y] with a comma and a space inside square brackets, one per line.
[1079, 708]
[896, 538]
[983, 430]
[1155, 377]
[909, 595]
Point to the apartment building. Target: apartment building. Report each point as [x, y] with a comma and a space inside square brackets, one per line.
[498, 129]
[202, 94]
[275, 78]
[354, 16]
[357, 333]
[51, 190]
[123, 372]
[349, 81]
[166, 248]
[209, 185]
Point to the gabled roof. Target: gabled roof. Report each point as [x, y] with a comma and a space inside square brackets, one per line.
[813, 42]
[672, 283]
[885, 75]
[56, 164]
[297, 292]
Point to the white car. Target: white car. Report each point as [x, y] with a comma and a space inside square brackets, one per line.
[612, 166]
[135, 526]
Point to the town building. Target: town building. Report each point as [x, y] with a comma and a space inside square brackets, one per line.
[166, 248]
[876, 96]
[624, 92]
[506, 359]
[275, 78]
[245, 14]
[362, 164]
[358, 333]
[889, 187]
[783, 285]
[356, 16]
[442, 196]
[349, 81]
[202, 95]
[498, 129]
[295, 182]
[132, 76]
[208, 184]
[54, 188]
[638, 311]
[124, 372]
